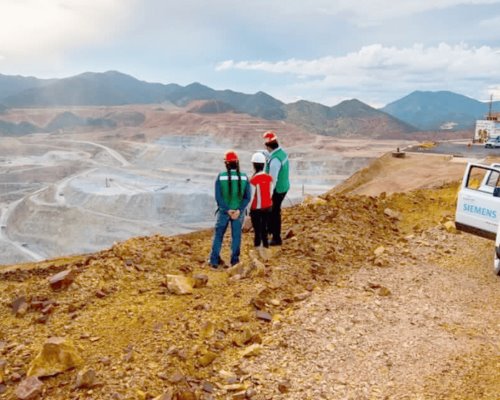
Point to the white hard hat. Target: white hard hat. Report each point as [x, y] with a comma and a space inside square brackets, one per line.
[259, 158]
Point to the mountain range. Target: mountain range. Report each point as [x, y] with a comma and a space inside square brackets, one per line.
[439, 110]
[417, 111]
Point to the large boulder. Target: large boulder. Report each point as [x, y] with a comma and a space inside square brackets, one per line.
[57, 355]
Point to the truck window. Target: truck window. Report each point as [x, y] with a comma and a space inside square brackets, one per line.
[493, 179]
[482, 179]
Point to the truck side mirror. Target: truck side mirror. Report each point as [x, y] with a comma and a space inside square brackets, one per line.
[496, 192]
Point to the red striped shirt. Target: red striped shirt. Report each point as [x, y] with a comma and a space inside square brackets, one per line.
[262, 184]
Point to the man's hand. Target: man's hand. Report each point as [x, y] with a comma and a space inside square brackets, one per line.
[234, 214]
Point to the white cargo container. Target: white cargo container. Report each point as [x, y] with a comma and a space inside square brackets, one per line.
[486, 129]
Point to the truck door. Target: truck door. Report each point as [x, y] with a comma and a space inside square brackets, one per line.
[478, 205]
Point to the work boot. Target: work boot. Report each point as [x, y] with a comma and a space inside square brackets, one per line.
[275, 242]
[221, 265]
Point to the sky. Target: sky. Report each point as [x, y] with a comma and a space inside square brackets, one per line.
[318, 50]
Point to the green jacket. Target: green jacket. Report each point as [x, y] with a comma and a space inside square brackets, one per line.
[230, 199]
[282, 184]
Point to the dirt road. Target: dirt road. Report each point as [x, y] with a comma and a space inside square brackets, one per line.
[421, 327]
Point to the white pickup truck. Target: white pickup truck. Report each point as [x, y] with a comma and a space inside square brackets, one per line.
[478, 204]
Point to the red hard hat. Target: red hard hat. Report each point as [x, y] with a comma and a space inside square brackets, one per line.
[269, 137]
[230, 156]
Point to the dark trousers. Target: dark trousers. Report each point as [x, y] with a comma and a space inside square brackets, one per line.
[260, 221]
[275, 217]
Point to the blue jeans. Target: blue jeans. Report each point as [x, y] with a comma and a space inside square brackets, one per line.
[223, 220]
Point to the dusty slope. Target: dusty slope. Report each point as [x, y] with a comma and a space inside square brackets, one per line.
[418, 321]
[390, 175]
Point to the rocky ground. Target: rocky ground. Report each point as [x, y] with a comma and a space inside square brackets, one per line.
[369, 298]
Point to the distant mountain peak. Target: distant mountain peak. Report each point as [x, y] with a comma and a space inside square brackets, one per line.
[353, 103]
[431, 110]
[197, 85]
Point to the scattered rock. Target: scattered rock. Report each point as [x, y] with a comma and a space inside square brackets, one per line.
[229, 377]
[263, 315]
[379, 251]
[200, 280]
[383, 291]
[186, 268]
[62, 280]
[301, 296]
[244, 338]
[252, 350]
[42, 319]
[86, 378]
[284, 386]
[57, 355]
[186, 395]
[208, 330]
[178, 284]
[207, 359]
[19, 306]
[15, 377]
[176, 377]
[259, 269]
[242, 395]
[238, 269]
[167, 395]
[234, 387]
[379, 262]
[48, 309]
[289, 234]
[208, 387]
[392, 214]
[29, 389]
[105, 361]
[450, 227]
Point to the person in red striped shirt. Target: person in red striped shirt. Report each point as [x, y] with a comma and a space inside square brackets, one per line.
[261, 203]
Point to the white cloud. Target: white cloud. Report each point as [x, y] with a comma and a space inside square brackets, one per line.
[369, 12]
[377, 71]
[376, 60]
[31, 29]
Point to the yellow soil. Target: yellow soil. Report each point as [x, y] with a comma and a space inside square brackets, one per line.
[169, 335]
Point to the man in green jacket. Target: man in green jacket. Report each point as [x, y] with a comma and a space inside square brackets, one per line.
[278, 167]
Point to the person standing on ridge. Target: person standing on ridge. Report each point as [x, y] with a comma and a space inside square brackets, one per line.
[232, 194]
[260, 208]
[278, 167]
